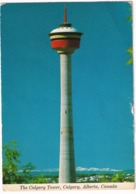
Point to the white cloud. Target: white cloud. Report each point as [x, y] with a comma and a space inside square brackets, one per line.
[81, 169]
[132, 108]
[30, 170]
[46, 170]
[20, 170]
[115, 170]
[96, 169]
[52, 170]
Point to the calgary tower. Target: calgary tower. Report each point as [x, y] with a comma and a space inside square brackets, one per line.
[65, 40]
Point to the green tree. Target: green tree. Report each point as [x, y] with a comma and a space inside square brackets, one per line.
[11, 166]
[10, 163]
[39, 179]
[130, 60]
[103, 179]
[130, 50]
[119, 177]
[26, 173]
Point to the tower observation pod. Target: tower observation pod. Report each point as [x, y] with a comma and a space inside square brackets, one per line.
[65, 40]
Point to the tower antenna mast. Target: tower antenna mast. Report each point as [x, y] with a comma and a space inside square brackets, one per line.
[65, 14]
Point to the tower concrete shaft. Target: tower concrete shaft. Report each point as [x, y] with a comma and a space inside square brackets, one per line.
[65, 40]
[67, 161]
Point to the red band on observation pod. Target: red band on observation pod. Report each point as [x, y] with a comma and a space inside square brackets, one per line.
[63, 43]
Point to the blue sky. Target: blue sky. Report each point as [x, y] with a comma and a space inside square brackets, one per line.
[102, 83]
